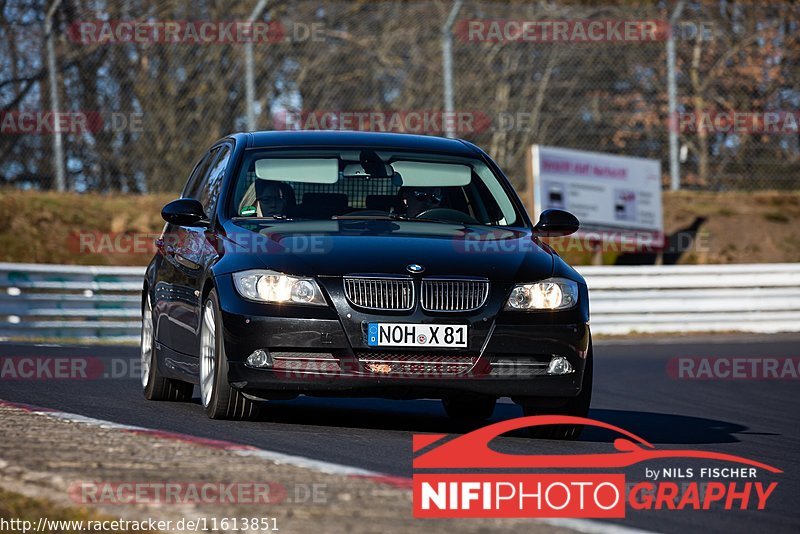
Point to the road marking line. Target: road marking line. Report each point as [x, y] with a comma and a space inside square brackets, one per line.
[308, 463]
[248, 451]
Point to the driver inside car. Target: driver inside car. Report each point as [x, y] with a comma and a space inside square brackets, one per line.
[414, 201]
[270, 200]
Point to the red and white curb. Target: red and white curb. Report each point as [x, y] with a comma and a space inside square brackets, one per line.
[229, 446]
[579, 525]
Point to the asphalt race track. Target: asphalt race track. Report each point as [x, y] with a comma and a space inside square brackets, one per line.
[757, 419]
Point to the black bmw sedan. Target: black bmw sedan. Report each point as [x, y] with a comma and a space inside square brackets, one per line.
[362, 264]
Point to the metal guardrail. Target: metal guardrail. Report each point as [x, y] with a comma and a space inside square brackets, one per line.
[67, 301]
[58, 301]
[761, 298]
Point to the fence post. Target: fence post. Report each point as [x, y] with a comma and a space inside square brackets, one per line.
[672, 91]
[250, 77]
[447, 65]
[55, 105]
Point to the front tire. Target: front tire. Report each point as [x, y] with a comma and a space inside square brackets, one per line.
[575, 406]
[219, 399]
[154, 385]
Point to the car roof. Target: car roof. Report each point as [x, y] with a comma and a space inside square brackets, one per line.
[378, 140]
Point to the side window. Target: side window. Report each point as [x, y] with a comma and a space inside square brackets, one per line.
[210, 188]
[199, 172]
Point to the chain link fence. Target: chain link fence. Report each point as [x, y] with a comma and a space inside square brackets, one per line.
[144, 88]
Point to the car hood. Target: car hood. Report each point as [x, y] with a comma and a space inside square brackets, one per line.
[337, 248]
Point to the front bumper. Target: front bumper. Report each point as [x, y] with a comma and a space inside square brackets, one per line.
[323, 351]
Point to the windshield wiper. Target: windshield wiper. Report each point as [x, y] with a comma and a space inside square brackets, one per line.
[276, 218]
[394, 217]
[387, 217]
[446, 221]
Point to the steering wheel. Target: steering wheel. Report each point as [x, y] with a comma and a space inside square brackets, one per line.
[447, 214]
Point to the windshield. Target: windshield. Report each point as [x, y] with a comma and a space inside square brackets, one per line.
[364, 184]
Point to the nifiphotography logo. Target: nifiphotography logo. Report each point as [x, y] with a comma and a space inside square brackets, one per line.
[498, 489]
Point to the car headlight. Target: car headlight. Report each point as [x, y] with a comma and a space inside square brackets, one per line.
[550, 294]
[278, 288]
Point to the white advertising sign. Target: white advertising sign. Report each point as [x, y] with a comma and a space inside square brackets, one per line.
[606, 193]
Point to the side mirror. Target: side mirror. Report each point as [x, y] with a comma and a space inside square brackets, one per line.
[556, 223]
[185, 212]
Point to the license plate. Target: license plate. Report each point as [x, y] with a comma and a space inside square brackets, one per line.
[416, 335]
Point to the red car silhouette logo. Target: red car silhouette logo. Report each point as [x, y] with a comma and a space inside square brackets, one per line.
[471, 451]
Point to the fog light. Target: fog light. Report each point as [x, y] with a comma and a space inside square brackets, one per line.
[559, 365]
[259, 358]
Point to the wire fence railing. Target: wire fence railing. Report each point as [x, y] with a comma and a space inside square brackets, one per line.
[141, 89]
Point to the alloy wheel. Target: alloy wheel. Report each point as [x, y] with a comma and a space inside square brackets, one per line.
[147, 342]
[208, 353]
